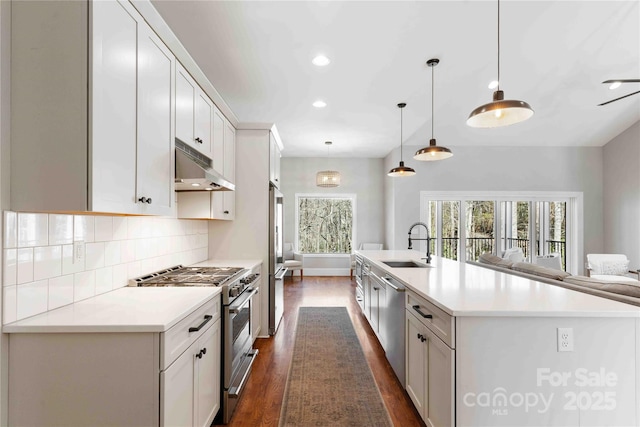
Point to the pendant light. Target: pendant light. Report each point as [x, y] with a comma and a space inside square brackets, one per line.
[328, 178]
[401, 170]
[500, 112]
[432, 152]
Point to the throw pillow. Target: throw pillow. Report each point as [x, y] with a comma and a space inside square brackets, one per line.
[619, 268]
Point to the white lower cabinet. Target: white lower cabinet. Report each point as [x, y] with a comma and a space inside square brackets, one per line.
[190, 387]
[430, 365]
[118, 378]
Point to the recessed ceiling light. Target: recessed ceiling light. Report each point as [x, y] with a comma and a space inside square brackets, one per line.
[493, 84]
[321, 61]
[319, 104]
[615, 85]
[195, 184]
[209, 189]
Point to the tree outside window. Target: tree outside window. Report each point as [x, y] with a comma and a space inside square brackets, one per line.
[325, 224]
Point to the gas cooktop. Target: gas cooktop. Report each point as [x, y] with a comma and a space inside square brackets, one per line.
[189, 276]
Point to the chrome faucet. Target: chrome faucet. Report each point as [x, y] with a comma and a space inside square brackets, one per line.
[428, 239]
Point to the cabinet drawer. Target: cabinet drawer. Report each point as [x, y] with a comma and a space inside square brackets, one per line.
[177, 339]
[439, 322]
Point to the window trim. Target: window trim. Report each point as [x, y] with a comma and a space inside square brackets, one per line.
[350, 196]
[575, 215]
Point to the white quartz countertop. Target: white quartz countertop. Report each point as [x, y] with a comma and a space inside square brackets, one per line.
[467, 290]
[129, 309]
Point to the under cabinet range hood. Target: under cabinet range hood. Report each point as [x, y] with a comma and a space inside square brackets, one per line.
[194, 171]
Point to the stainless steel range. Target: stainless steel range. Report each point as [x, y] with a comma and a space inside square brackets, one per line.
[237, 341]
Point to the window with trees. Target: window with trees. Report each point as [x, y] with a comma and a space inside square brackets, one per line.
[538, 223]
[325, 223]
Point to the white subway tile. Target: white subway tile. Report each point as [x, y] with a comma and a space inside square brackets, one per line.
[133, 227]
[33, 229]
[112, 253]
[120, 227]
[10, 229]
[10, 267]
[47, 262]
[104, 280]
[142, 249]
[203, 227]
[147, 266]
[60, 229]
[119, 276]
[69, 264]
[60, 291]
[25, 265]
[133, 270]
[32, 298]
[127, 250]
[84, 285]
[94, 255]
[83, 228]
[104, 229]
[9, 304]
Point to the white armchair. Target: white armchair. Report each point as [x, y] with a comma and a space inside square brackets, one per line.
[609, 267]
[293, 260]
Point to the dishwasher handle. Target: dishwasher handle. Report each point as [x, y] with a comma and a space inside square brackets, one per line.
[393, 286]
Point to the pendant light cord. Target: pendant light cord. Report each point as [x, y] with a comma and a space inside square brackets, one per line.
[498, 44]
[401, 134]
[432, 96]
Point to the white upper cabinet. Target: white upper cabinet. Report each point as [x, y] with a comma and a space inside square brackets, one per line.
[218, 141]
[224, 202]
[194, 113]
[274, 160]
[102, 95]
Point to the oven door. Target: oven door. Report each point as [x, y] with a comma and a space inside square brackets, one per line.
[239, 354]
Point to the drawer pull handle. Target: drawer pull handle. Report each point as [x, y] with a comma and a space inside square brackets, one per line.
[422, 337]
[207, 317]
[426, 316]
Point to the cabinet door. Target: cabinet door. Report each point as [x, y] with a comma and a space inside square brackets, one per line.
[256, 314]
[416, 355]
[366, 284]
[374, 319]
[155, 148]
[177, 391]
[272, 159]
[277, 157]
[113, 109]
[204, 124]
[229, 170]
[439, 410]
[208, 376]
[382, 314]
[186, 91]
[218, 141]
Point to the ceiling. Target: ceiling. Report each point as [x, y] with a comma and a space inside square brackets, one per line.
[554, 55]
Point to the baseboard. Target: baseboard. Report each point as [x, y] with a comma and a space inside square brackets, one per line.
[326, 272]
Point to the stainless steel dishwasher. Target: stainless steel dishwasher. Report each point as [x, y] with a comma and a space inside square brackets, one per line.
[392, 324]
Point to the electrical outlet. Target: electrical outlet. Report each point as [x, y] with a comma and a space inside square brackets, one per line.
[78, 251]
[565, 339]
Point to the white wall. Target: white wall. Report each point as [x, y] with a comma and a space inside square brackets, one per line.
[497, 169]
[361, 176]
[621, 199]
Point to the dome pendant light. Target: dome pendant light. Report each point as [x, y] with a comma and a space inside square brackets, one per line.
[500, 112]
[328, 178]
[432, 152]
[401, 170]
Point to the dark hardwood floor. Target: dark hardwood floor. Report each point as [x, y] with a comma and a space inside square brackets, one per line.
[262, 399]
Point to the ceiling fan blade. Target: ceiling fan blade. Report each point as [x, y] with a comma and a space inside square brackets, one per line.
[617, 99]
[622, 81]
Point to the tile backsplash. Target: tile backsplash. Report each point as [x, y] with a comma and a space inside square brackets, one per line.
[41, 273]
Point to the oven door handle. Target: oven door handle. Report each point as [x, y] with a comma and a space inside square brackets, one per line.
[234, 309]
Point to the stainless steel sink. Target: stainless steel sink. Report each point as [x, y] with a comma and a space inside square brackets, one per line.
[405, 264]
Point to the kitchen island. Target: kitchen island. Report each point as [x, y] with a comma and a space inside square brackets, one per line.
[489, 348]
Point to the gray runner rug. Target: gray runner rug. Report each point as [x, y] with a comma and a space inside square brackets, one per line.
[330, 382]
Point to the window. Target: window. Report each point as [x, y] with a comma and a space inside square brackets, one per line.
[536, 222]
[324, 223]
